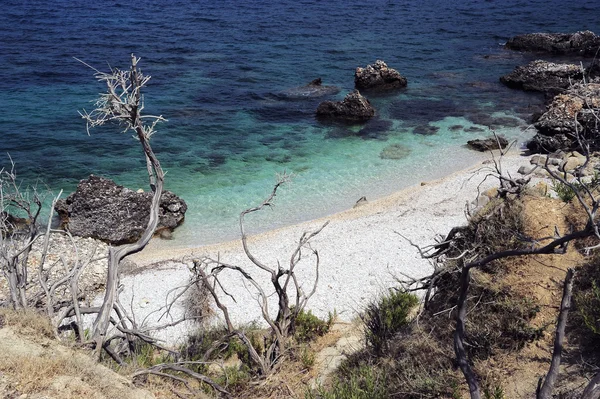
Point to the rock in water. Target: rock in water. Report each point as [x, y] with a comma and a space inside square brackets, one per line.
[570, 114]
[378, 77]
[543, 76]
[312, 90]
[354, 108]
[584, 43]
[101, 209]
[488, 144]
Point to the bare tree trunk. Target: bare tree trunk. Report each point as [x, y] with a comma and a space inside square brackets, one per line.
[592, 391]
[459, 335]
[548, 386]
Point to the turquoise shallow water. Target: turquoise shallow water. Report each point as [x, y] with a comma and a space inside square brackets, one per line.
[218, 72]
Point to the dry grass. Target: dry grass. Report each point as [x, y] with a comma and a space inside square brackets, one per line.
[27, 322]
[33, 363]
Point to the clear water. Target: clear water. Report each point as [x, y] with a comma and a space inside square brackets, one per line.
[218, 69]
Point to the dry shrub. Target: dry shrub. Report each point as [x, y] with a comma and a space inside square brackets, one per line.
[197, 302]
[497, 227]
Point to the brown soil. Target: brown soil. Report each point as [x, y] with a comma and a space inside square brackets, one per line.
[540, 279]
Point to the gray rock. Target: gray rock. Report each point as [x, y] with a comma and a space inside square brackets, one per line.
[354, 108]
[571, 113]
[101, 209]
[488, 144]
[526, 170]
[543, 76]
[378, 77]
[584, 43]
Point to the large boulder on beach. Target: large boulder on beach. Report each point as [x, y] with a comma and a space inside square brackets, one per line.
[571, 114]
[585, 43]
[378, 77]
[314, 89]
[491, 143]
[543, 76]
[101, 209]
[354, 108]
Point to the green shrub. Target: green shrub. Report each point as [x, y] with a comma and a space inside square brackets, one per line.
[307, 357]
[309, 326]
[386, 317]
[567, 193]
[588, 306]
[361, 383]
[234, 378]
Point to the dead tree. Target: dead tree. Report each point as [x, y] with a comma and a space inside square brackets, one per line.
[123, 104]
[17, 234]
[284, 282]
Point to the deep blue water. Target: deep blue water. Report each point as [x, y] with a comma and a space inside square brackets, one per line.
[217, 69]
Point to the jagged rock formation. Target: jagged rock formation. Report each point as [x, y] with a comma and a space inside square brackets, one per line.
[571, 114]
[354, 108]
[584, 43]
[491, 143]
[101, 209]
[312, 90]
[378, 77]
[545, 76]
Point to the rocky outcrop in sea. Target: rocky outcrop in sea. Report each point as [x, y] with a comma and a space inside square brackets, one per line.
[570, 115]
[378, 77]
[101, 209]
[544, 76]
[585, 43]
[354, 108]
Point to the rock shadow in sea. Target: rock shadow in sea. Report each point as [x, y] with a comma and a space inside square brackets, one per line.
[421, 111]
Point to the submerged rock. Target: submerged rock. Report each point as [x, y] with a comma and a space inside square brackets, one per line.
[394, 151]
[378, 77]
[584, 43]
[312, 90]
[377, 129]
[493, 121]
[426, 130]
[101, 209]
[491, 143]
[354, 108]
[416, 111]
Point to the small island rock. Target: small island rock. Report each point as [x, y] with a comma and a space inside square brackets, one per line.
[101, 209]
[378, 77]
[354, 108]
[543, 76]
[585, 43]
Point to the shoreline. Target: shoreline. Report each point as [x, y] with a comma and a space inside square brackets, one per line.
[361, 251]
[158, 250]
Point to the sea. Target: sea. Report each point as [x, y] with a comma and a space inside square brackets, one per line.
[220, 73]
